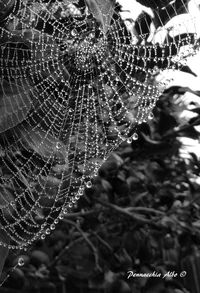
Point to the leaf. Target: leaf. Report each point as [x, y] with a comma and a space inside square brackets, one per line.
[15, 103]
[196, 224]
[187, 69]
[179, 25]
[161, 4]
[5, 198]
[106, 185]
[6, 8]
[132, 11]
[102, 11]
[178, 78]
[45, 144]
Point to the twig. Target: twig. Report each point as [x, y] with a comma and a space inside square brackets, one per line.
[125, 212]
[65, 248]
[82, 214]
[103, 242]
[106, 244]
[90, 244]
[145, 210]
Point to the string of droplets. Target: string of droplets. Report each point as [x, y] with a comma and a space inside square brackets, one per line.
[20, 263]
[71, 92]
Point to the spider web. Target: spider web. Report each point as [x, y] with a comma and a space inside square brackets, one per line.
[75, 82]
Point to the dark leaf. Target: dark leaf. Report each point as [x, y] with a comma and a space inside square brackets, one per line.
[15, 103]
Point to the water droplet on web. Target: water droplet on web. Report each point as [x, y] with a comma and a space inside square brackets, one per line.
[70, 205]
[61, 217]
[12, 203]
[74, 32]
[48, 231]
[135, 136]
[92, 35]
[77, 197]
[129, 140]
[58, 145]
[95, 173]
[63, 14]
[20, 261]
[43, 226]
[52, 227]
[73, 200]
[81, 191]
[89, 184]
[151, 116]
[31, 184]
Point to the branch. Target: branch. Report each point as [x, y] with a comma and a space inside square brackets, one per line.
[82, 214]
[85, 237]
[102, 241]
[145, 210]
[65, 248]
[126, 212]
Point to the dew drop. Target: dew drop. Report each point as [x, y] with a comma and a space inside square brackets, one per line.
[92, 35]
[12, 203]
[89, 184]
[135, 136]
[61, 216]
[20, 261]
[151, 116]
[129, 140]
[95, 173]
[73, 200]
[74, 32]
[63, 14]
[70, 205]
[48, 231]
[77, 197]
[58, 145]
[80, 192]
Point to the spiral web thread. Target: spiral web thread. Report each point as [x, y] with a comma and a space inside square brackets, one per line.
[74, 84]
